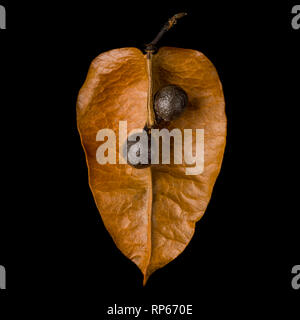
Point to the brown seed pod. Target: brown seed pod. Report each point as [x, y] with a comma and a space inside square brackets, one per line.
[151, 212]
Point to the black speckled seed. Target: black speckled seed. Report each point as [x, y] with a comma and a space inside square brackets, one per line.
[138, 149]
[169, 102]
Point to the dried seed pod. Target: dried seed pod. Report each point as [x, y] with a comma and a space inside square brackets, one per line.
[157, 208]
[169, 102]
[154, 218]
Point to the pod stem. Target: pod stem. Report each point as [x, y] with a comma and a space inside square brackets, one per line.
[167, 26]
[150, 49]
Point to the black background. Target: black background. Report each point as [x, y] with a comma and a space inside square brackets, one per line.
[52, 238]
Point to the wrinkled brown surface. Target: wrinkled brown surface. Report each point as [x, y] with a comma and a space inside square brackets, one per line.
[151, 213]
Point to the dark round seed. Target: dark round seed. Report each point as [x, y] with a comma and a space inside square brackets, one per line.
[137, 150]
[169, 102]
